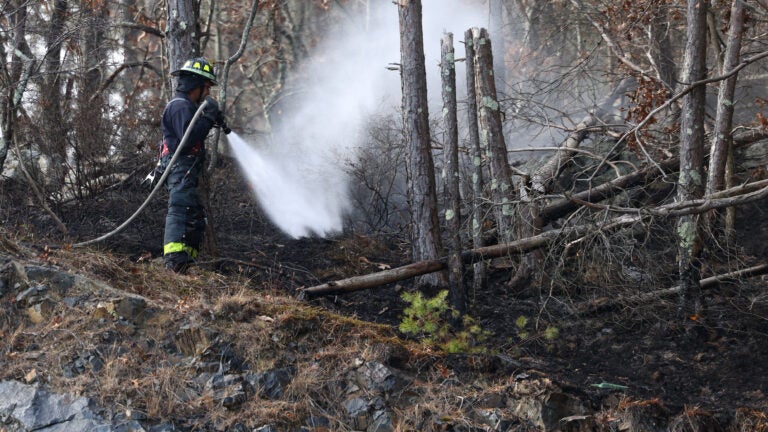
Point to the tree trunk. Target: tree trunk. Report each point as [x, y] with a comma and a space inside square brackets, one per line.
[690, 183]
[491, 136]
[17, 73]
[478, 201]
[90, 130]
[720, 149]
[422, 194]
[456, 294]
[53, 132]
[496, 27]
[660, 53]
[183, 34]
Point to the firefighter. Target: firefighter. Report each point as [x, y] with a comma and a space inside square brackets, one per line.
[185, 222]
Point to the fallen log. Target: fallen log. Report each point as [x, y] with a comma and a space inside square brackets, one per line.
[606, 303]
[361, 282]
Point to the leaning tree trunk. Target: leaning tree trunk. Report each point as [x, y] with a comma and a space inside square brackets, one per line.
[491, 137]
[530, 222]
[721, 145]
[422, 194]
[457, 295]
[690, 183]
[478, 201]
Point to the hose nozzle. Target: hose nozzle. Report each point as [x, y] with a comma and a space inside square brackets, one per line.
[221, 122]
[225, 128]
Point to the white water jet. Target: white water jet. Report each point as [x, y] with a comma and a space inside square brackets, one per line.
[300, 178]
[299, 201]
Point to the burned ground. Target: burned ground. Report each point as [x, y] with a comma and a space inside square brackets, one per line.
[716, 364]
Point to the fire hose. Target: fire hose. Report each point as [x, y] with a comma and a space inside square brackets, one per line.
[160, 182]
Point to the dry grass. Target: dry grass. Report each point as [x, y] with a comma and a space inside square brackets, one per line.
[133, 369]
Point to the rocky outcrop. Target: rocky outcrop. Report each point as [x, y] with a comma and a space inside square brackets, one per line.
[30, 408]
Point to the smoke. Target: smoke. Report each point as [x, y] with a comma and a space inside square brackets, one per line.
[303, 185]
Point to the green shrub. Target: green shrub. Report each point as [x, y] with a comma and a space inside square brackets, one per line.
[430, 319]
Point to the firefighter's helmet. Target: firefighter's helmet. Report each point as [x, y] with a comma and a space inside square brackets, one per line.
[197, 66]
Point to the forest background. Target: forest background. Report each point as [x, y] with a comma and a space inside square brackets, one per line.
[608, 156]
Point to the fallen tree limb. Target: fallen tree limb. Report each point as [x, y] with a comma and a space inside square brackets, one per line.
[732, 197]
[606, 303]
[748, 193]
[562, 207]
[361, 282]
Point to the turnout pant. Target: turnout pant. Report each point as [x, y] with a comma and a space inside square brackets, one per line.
[185, 222]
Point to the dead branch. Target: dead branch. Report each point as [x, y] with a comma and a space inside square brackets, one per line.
[735, 196]
[361, 282]
[39, 194]
[567, 204]
[606, 303]
[541, 178]
[108, 82]
[726, 198]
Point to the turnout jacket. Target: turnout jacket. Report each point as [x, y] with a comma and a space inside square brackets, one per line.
[176, 118]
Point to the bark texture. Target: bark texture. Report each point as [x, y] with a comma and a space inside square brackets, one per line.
[476, 153]
[691, 180]
[422, 194]
[491, 137]
[457, 296]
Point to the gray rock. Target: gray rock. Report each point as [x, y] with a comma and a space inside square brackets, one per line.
[163, 427]
[358, 412]
[381, 422]
[31, 295]
[270, 383]
[318, 422]
[546, 410]
[133, 309]
[58, 280]
[375, 377]
[229, 390]
[131, 426]
[35, 409]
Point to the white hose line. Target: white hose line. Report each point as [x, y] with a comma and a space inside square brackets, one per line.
[157, 186]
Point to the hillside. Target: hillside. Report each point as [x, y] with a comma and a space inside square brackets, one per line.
[234, 348]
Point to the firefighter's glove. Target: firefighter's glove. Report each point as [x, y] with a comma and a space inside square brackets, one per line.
[211, 110]
[213, 113]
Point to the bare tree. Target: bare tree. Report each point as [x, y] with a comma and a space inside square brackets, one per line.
[15, 76]
[491, 134]
[422, 189]
[453, 217]
[183, 34]
[720, 151]
[476, 156]
[690, 184]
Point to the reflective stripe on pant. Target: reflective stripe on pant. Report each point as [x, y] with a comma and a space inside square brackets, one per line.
[173, 247]
[185, 222]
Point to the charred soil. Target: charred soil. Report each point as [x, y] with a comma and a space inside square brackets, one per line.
[715, 362]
